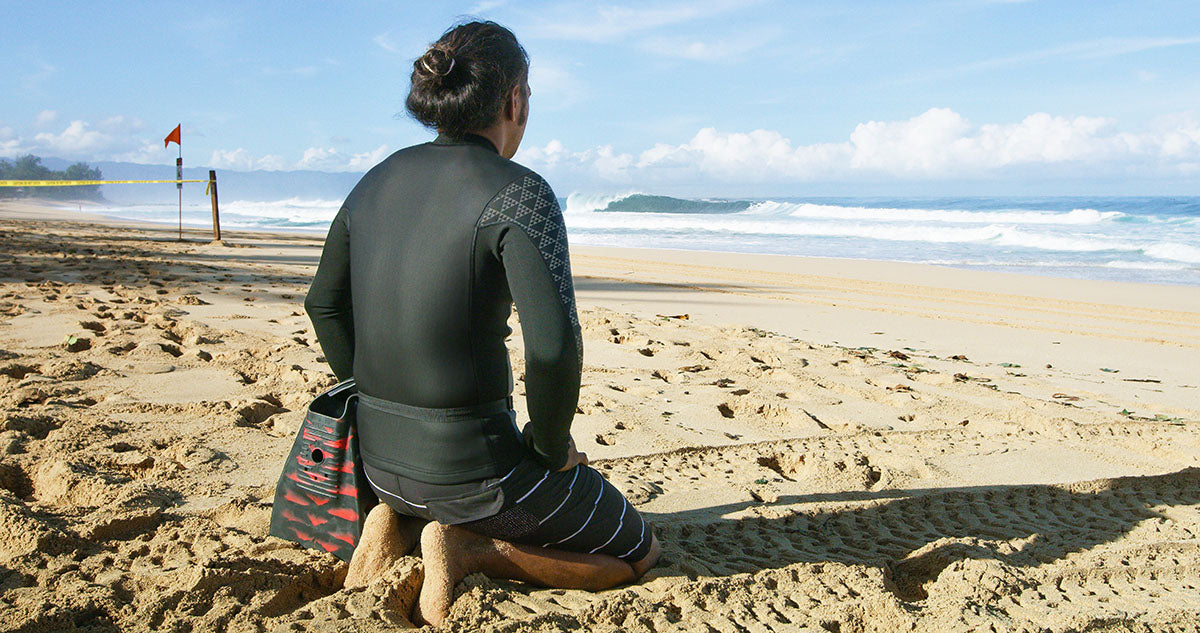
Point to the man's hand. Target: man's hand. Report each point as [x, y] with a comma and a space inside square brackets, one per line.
[574, 457]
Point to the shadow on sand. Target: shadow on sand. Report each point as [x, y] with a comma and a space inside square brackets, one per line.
[914, 534]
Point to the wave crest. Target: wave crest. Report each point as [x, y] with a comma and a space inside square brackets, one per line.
[587, 203]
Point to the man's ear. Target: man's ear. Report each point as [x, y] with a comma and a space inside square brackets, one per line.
[512, 105]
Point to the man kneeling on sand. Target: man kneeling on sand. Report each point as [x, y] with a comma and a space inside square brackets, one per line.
[420, 271]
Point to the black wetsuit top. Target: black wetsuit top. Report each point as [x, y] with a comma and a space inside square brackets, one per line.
[417, 279]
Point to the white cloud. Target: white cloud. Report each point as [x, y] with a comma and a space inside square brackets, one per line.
[485, 6]
[937, 144]
[907, 146]
[45, 118]
[600, 23]
[121, 124]
[123, 138]
[756, 155]
[551, 154]
[553, 86]
[113, 138]
[271, 162]
[610, 164]
[41, 72]
[306, 70]
[1089, 49]
[707, 48]
[1112, 47]
[231, 159]
[699, 50]
[319, 158]
[941, 143]
[10, 143]
[149, 152]
[603, 160]
[387, 43]
[367, 160]
[78, 138]
[241, 159]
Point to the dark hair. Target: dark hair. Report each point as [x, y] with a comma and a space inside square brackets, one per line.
[460, 83]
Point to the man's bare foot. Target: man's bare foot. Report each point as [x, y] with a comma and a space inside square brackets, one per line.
[449, 554]
[385, 538]
[651, 558]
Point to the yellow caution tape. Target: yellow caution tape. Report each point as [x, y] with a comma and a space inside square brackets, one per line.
[75, 183]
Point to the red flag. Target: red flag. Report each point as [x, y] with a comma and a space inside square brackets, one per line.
[173, 136]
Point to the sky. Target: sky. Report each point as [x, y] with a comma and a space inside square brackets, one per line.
[701, 98]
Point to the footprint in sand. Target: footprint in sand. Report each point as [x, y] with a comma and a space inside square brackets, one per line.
[18, 370]
[257, 413]
[120, 350]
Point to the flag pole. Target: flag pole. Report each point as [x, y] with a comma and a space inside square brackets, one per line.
[176, 136]
[179, 185]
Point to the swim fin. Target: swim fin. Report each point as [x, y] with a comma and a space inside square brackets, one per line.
[322, 497]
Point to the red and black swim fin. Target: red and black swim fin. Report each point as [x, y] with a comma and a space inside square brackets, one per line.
[322, 497]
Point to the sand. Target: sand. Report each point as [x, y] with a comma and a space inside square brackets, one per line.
[821, 445]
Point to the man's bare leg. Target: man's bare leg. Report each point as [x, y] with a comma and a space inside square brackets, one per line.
[451, 553]
[386, 537]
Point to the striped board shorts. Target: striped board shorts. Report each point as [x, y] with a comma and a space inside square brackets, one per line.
[576, 510]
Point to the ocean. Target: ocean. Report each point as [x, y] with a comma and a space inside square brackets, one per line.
[1141, 239]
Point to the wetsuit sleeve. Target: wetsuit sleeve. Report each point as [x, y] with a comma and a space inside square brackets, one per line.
[328, 302]
[532, 246]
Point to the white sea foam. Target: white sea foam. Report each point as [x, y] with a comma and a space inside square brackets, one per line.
[742, 225]
[883, 214]
[292, 210]
[1009, 236]
[1128, 265]
[1173, 251]
[1141, 243]
[290, 213]
[1003, 235]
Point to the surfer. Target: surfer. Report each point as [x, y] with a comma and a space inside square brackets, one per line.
[418, 276]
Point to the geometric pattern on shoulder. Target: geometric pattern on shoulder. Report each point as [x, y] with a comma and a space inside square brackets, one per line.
[529, 204]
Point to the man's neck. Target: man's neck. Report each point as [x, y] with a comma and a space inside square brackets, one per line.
[498, 136]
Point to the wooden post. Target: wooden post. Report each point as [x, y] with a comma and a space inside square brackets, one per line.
[179, 186]
[212, 192]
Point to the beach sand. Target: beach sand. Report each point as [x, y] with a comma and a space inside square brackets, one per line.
[821, 445]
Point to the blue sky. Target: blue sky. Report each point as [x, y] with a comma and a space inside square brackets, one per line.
[695, 98]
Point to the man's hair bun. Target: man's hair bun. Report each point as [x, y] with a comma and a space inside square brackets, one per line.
[461, 81]
[436, 61]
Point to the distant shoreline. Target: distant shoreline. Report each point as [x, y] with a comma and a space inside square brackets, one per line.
[70, 211]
